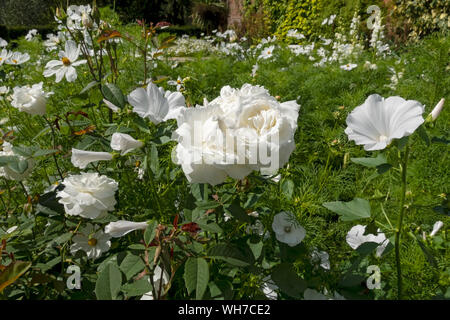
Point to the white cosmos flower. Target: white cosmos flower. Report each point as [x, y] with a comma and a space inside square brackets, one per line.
[93, 242]
[88, 195]
[228, 136]
[156, 104]
[378, 121]
[160, 279]
[349, 66]
[266, 53]
[124, 142]
[81, 158]
[122, 227]
[355, 237]
[31, 34]
[4, 56]
[53, 41]
[293, 33]
[7, 172]
[287, 230]
[65, 66]
[436, 227]
[178, 83]
[31, 100]
[17, 58]
[3, 43]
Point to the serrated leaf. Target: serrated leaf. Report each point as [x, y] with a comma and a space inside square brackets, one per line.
[353, 210]
[131, 265]
[196, 276]
[138, 287]
[371, 162]
[113, 94]
[230, 254]
[108, 283]
[287, 280]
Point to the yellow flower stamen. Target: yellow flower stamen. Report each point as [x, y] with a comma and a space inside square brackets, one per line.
[92, 242]
[14, 60]
[65, 61]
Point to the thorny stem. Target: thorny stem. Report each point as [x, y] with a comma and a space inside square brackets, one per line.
[398, 232]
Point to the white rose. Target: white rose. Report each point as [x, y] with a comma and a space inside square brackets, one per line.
[124, 142]
[88, 195]
[31, 100]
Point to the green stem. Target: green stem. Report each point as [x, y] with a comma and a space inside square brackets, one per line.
[398, 232]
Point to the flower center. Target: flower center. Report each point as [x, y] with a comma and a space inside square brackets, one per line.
[14, 60]
[179, 81]
[92, 242]
[66, 61]
[382, 138]
[287, 229]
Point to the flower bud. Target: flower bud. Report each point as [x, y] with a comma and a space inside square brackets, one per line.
[437, 110]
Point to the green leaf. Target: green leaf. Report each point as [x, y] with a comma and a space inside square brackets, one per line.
[23, 151]
[287, 280]
[42, 152]
[371, 162]
[237, 212]
[137, 288]
[5, 160]
[287, 187]
[200, 191]
[230, 254]
[12, 272]
[382, 168]
[19, 166]
[211, 227]
[252, 200]
[113, 94]
[89, 86]
[108, 283]
[196, 276]
[423, 135]
[256, 248]
[353, 210]
[136, 246]
[150, 232]
[131, 265]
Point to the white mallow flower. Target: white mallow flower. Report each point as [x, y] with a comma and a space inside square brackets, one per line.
[160, 279]
[93, 242]
[88, 195]
[378, 121]
[124, 143]
[436, 227]
[156, 104]
[266, 53]
[349, 66]
[7, 172]
[240, 131]
[120, 228]
[81, 158]
[65, 66]
[355, 237]
[287, 229]
[16, 58]
[322, 257]
[437, 109]
[31, 100]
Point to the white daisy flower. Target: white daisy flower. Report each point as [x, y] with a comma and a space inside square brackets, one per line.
[93, 242]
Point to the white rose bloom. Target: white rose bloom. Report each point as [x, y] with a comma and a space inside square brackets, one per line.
[125, 143]
[65, 66]
[355, 237]
[94, 243]
[378, 121]
[122, 227]
[160, 279]
[8, 173]
[156, 104]
[287, 230]
[88, 195]
[240, 131]
[81, 158]
[31, 100]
